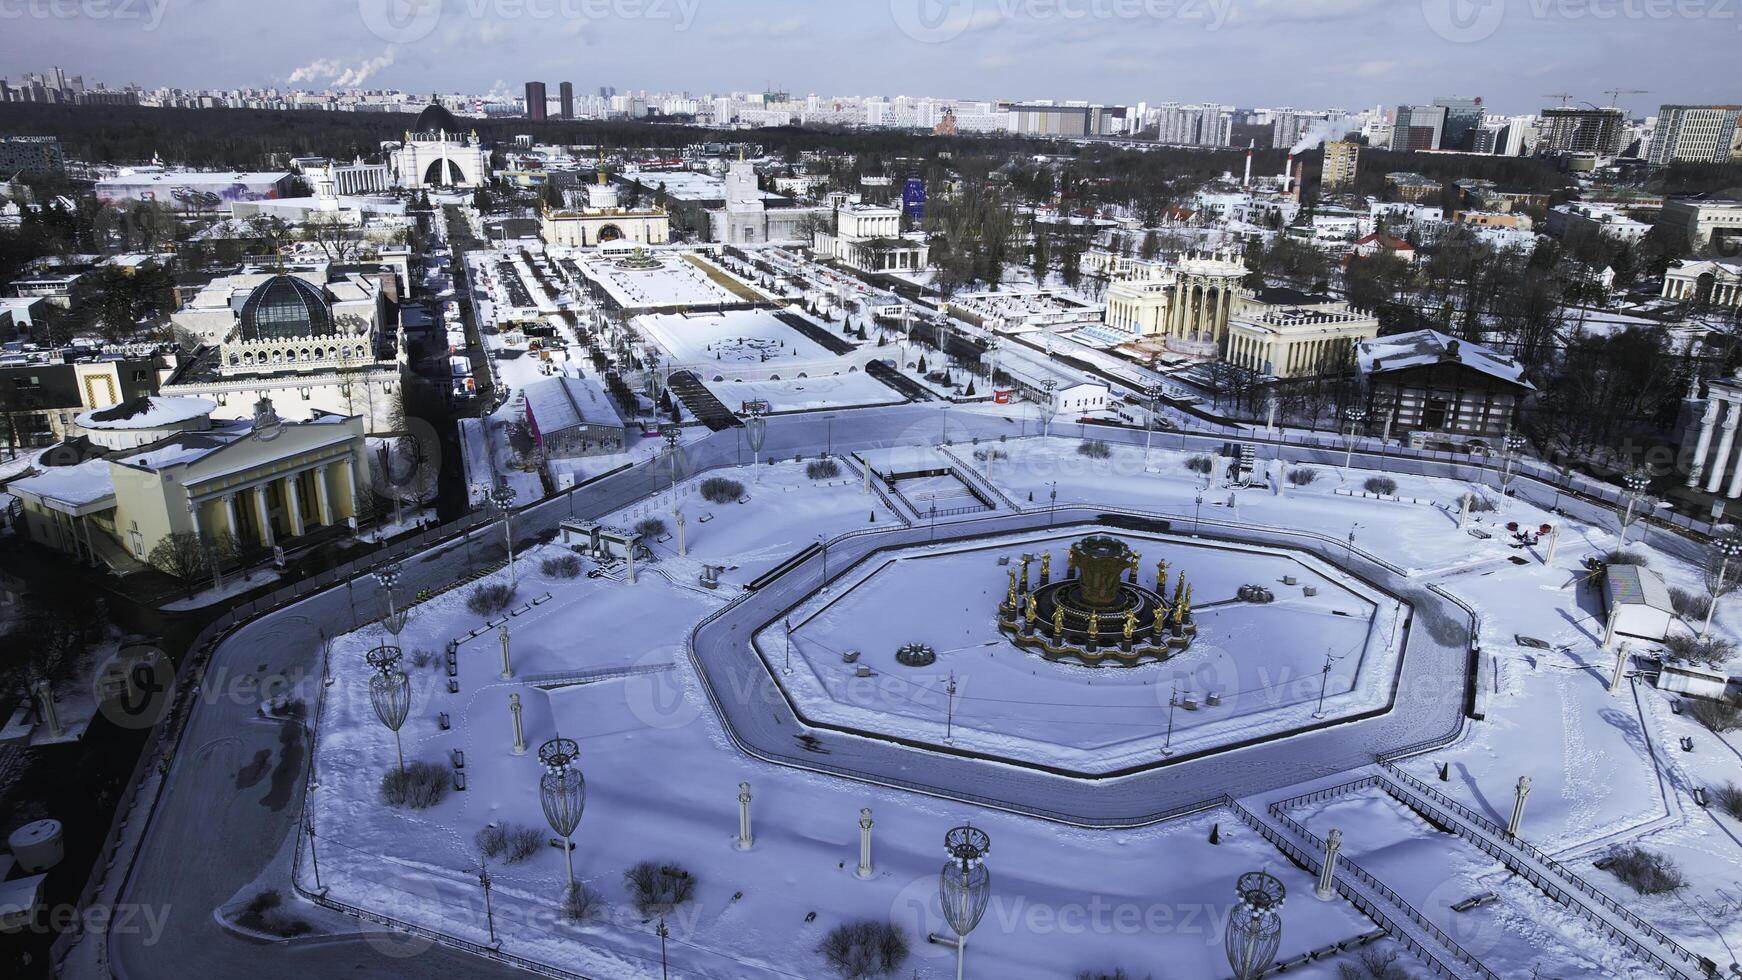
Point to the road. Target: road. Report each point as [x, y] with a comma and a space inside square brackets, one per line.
[210, 838]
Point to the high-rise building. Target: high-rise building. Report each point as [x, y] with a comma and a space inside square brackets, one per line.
[1463, 118]
[535, 101]
[1194, 125]
[566, 93]
[1569, 129]
[1696, 133]
[1342, 163]
[1418, 127]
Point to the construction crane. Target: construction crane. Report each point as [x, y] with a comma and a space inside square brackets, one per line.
[1565, 97]
[1615, 94]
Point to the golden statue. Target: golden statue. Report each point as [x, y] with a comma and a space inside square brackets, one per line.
[1010, 602]
[1181, 586]
[1130, 624]
[1071, 562]
[1025, 560]
[1136, 560]
[1045, 567]
[1161, 577]
[1058, 622]
[1160, 621]
[1033, 610]
[1094, 625]
[1180, 607]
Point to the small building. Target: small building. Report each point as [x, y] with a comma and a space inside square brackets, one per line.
[573, 417]
[1298, 341]
[1694, 680]
[1714, 281]
[1380, 243]
[1428, 382]
[1638, 603]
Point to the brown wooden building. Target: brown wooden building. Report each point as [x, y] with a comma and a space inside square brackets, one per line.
[1431, 383]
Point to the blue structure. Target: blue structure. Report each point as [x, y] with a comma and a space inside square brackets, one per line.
[913, 199]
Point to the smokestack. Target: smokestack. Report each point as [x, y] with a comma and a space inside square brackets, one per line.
[1247, 183]
[1288, 172]
[1299, 179]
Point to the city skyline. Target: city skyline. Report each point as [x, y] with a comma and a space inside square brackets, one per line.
[1241, 52]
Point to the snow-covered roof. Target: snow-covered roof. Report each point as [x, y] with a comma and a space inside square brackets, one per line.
[1425, 347]
[1630, 585]
[148, 412]
[72, 487]
[560, 403]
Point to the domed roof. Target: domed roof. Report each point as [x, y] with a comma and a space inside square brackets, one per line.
[435, 118]
[286, 308]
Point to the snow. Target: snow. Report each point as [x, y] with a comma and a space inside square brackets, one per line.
[807, 394]
[663, 772]
[733, 338]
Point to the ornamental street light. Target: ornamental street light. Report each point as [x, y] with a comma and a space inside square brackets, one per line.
[1354, 417]
[1255, 929]
[390, 694]
[1514, 446]
[1635, 482]
[503, 497]
[672, 435]
[756, 429]
[1726, 550]
[1153, 392]
[965, 885]
[388, 574]
[562, 790]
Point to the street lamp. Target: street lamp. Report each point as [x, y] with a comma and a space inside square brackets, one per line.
[1727, 550]
[1255, 929]
[756, 429]
[390, 694]
[823, 541]
[1154, 394]
[503, 498]
[1349, 554]
[1052, 499]
[1172, 703]
[965, 885]
[1198, 513]
[563, 792]
[1635, 482]
[1354, 417]
[1324, 683]
[1514, 445]
[388, 575]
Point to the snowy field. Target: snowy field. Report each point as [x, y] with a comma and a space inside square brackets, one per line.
[807, 394]
[1016, 703]
[731, 339]
[663, 773]
[674, 283]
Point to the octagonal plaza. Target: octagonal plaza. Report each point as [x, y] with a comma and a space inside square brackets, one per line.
[1255, 670]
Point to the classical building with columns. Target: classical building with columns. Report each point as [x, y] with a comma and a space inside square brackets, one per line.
[1187, 308]
[435, 153]
[1289, 341]
[1710, 448]
[1717, 282]
[264, 481]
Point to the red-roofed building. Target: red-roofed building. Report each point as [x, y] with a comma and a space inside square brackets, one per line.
[1380, 242]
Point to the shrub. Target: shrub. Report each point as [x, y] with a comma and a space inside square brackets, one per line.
[1690, 605]
[1712, 651]
[1480, 504]
[491, 841]
[1302, 476]
[1117, 974]
[1384, 486]
[651, 527]
[657, 888]
[422, 658]
[262, 914]
[565, 566]
[1094, 449]
[1374, 964]
[1646, 872]
[866, 948]
[719, 490]
[490, 599]
[1619, 557]
[1729, 799]
[1201, 464]
[420, 786]
[1719, 716]
[581, 904]
[822, 469]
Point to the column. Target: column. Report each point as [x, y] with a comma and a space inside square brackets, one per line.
[323, 499]
[231, 516]
[264, 514]
[1708, 422]
[1735, 490]
[293, 505]
[1721, 462]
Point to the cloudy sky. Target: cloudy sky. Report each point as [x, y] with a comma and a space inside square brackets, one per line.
[1306, 53]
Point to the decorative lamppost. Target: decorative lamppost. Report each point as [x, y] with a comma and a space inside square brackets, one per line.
[756, 430]
[503, 498]
[1153, 393]
[1354, 417]
[563, 792]
[1726, 550]
[388, 575]
[1255, 929]
[1635, 482]
[390, 693]
[672, 435]
[1514, 446]
[965, 885]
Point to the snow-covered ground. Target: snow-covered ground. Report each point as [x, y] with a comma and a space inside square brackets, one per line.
[663, 773]
[805, 394]
[733, 338]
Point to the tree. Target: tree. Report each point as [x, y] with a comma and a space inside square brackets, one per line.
[182, 556]
[1151, 246]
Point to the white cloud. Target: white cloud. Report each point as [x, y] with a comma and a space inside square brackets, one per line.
[337, 74]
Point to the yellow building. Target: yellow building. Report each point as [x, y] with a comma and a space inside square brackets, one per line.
[1298, 341]
[1342, 164]
[1188, 307]
[605, 220]
[266, 481]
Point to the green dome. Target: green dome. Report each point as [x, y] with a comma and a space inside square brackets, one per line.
[286, 308]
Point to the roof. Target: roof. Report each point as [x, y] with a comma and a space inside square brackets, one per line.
[73, 487]
[435, 118]
[1423, 348]
[148, 412]
[1630, 585]
[560, 403]
[286, 308]
[1385, 241]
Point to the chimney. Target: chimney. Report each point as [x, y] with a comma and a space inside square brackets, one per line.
[1299, 178]
[1249, 147]
[1288, 171]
